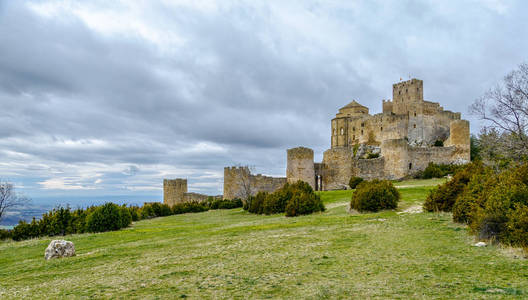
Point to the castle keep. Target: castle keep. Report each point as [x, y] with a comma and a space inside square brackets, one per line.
[402, 140]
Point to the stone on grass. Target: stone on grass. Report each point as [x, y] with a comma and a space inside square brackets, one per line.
[480, 244]
[58, 249]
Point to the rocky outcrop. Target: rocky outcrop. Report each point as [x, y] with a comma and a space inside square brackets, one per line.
[58, 249]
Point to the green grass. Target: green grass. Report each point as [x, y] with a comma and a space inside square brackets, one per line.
[233, 254]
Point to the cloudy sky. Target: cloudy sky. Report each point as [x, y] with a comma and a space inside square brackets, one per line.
[103, 98]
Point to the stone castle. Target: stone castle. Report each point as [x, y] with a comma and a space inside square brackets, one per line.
[402, 140]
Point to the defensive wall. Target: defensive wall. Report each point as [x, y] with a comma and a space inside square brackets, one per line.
[175, 191]
[240, 183]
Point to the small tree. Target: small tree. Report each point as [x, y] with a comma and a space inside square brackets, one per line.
[9, 198]
[505, 108]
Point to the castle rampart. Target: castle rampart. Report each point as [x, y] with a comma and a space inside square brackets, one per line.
[240, 183]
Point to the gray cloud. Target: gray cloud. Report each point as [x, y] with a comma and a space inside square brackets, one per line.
[107, 98]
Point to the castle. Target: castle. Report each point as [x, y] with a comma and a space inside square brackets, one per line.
[399, 142]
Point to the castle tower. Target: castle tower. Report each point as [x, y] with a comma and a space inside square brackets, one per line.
[301, 166]
[237, 182]
[405, 95]
[459, 137]
[174, 191]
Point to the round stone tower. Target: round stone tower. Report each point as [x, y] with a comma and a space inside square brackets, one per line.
[301, 166]
[174, 191]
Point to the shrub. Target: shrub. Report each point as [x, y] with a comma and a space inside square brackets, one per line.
[256, 203]
[189, 207]
[105, 218]
[135, 213]
[294, 199]
[473, 196]
[517, 226]
[372, 155]
[432, 171]
[225, 204]
[354, 181]
[375, 195]
[444, 196]
[5, 234]
[303, 204]
[24, 230]
[439, 143]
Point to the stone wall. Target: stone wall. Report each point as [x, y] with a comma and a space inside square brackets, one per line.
[369, 169]
[238, 181]
[174, 190]
[300, 165]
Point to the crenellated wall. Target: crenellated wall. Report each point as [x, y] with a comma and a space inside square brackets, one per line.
[238, 181]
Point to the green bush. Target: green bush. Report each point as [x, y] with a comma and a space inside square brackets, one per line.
[354, 181]
[303, 204]
[444, 196]
[474, 195]
[372, 155]
[294, 199]
[432, 171]
[439, 143]
[24, 230]
[225, 204]
[189, 207]
[374, 196]
[517, 226]
[105, 218]
[5, 234]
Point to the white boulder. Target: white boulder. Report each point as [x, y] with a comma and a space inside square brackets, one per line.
[480, 244]
[58, 249]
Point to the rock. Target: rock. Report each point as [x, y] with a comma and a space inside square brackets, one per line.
[58, 249]
[480, 244]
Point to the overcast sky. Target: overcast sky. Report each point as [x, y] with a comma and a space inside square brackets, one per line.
[110, 97]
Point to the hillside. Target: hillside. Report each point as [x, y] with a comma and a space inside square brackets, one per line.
[233, 254]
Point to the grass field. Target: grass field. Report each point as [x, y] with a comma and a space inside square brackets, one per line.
[233, 254]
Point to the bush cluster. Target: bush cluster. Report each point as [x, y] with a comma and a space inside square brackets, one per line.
[107, 217]
[443, 197]
[292, 199]
[493, 203]
[354, 181]
[225, 204]
[374, 196]
[437, 171]
[5, 234]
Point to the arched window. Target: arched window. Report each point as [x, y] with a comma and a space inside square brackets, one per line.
[415, 114]
[361, 131]
[410, 166]
[381, 129]
[342, 131]
[414, 125]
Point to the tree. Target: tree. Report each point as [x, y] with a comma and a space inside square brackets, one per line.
[246, 184]
[9, 198]
[505, 109]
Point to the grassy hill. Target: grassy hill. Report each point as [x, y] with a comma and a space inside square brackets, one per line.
[233, 254]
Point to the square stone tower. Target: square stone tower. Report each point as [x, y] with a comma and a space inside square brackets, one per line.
[405, 96]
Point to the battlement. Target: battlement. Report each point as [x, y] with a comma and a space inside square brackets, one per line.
[407, 91]
[175, 182]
